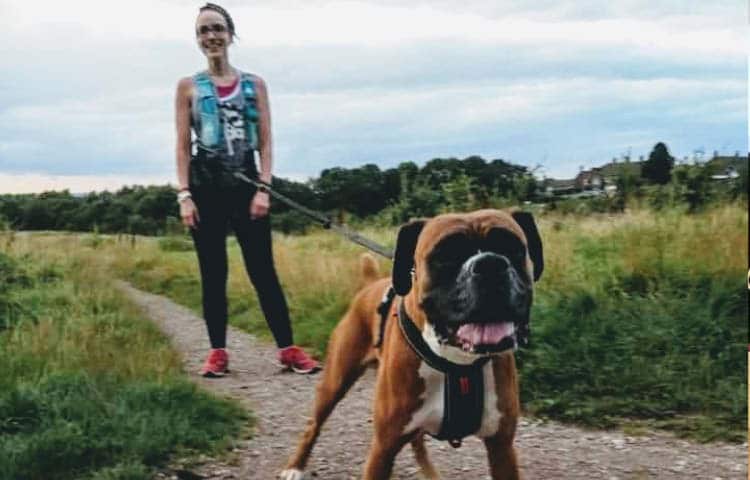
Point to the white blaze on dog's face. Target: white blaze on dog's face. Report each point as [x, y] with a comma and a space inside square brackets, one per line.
[473, 282]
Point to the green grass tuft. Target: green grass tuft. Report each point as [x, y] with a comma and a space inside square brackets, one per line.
[68, 423]
[89, 388]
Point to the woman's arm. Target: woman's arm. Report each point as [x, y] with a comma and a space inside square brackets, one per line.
[182, 122]
[183, 99]
[261, 202]
[265, 140]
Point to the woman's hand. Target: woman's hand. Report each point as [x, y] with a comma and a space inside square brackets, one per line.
[189, 213]
[259, 205]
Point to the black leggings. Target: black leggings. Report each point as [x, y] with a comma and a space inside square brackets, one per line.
[218, 210]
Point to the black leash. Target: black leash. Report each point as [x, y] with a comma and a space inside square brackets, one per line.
[326, 222]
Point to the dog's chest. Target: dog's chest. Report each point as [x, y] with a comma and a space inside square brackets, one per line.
[429, 416]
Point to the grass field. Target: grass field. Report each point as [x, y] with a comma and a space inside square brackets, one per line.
[90, 389]
[640, 319]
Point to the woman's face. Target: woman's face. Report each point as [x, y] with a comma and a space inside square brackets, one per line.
[212, 33]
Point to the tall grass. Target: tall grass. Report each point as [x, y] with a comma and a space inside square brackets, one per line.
[89, 388]
[639, 318]
[642, 319]
[319, 273]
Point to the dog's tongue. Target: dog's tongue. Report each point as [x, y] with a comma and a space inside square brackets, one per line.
[484, 333]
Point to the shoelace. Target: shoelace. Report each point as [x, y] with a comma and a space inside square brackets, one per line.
[217, 357]
[299, 357]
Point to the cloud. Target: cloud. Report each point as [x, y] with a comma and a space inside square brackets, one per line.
[34, 183]
[563, 82]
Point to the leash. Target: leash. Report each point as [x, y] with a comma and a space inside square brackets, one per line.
[326, 222]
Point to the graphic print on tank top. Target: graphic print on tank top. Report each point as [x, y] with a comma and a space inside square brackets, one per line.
[231, 108]
[234, 126]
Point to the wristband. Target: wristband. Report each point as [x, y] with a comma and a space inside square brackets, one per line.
[183, 195]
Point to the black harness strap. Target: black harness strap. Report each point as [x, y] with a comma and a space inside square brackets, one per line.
[464, 385]
[383, 309]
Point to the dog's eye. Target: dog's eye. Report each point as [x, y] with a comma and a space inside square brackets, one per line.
[517, 254]
[505, 243]
[452, 252]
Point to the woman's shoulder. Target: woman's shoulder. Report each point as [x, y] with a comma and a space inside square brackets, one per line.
[189, 81]
[185, 88]
[185, 83]
[253, 77]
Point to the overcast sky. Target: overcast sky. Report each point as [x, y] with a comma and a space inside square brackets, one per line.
[87, 88]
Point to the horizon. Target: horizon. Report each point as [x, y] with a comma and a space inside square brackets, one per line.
[119, 186]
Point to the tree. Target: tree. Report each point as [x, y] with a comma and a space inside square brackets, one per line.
[658, 167]
[457, 194]
[693, 184]
[438, 171]
[628, 186]
[524, 187]
[357, 190]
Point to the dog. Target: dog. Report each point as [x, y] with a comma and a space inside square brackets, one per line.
[464, 285]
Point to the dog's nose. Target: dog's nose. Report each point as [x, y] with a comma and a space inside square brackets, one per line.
[489, 263]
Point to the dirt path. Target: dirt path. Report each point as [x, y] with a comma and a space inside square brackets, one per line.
[281, 403]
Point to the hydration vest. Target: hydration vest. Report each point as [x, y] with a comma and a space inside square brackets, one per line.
[211, 133]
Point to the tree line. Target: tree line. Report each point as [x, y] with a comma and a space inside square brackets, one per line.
[387, 197]
[394, 194]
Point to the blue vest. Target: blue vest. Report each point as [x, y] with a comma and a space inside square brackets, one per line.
[211, 132]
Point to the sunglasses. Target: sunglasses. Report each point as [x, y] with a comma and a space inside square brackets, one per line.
[216, 28]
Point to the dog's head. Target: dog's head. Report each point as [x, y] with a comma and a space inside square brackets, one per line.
[470, 277]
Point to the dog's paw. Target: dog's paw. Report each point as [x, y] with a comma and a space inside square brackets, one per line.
[292, 474]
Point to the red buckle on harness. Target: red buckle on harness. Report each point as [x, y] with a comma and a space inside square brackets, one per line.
[464, 383]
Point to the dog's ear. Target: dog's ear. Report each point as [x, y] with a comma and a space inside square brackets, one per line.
[526, 221]
[403, 258]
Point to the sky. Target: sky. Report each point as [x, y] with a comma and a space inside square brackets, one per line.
[87, 88]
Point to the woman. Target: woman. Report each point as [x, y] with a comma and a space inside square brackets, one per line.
[228, 111]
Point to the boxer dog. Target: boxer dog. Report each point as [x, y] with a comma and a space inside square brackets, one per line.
[465, 283]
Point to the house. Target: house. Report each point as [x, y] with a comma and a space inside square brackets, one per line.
[553, 187]
[603, 180]
[590, 180]
[613, 170]
[729, 173]
[724, 167]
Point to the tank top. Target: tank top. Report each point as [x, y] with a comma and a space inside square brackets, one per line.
[216, 168]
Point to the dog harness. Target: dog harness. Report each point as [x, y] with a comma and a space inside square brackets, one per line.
[464, 384]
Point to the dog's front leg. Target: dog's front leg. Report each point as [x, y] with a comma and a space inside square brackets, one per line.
[390, 416]
[502, 457]
[383, 453]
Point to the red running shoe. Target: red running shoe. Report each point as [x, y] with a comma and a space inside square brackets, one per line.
[297, 360]
[217, 363]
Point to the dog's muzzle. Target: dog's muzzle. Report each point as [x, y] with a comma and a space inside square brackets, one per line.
[492, 306]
